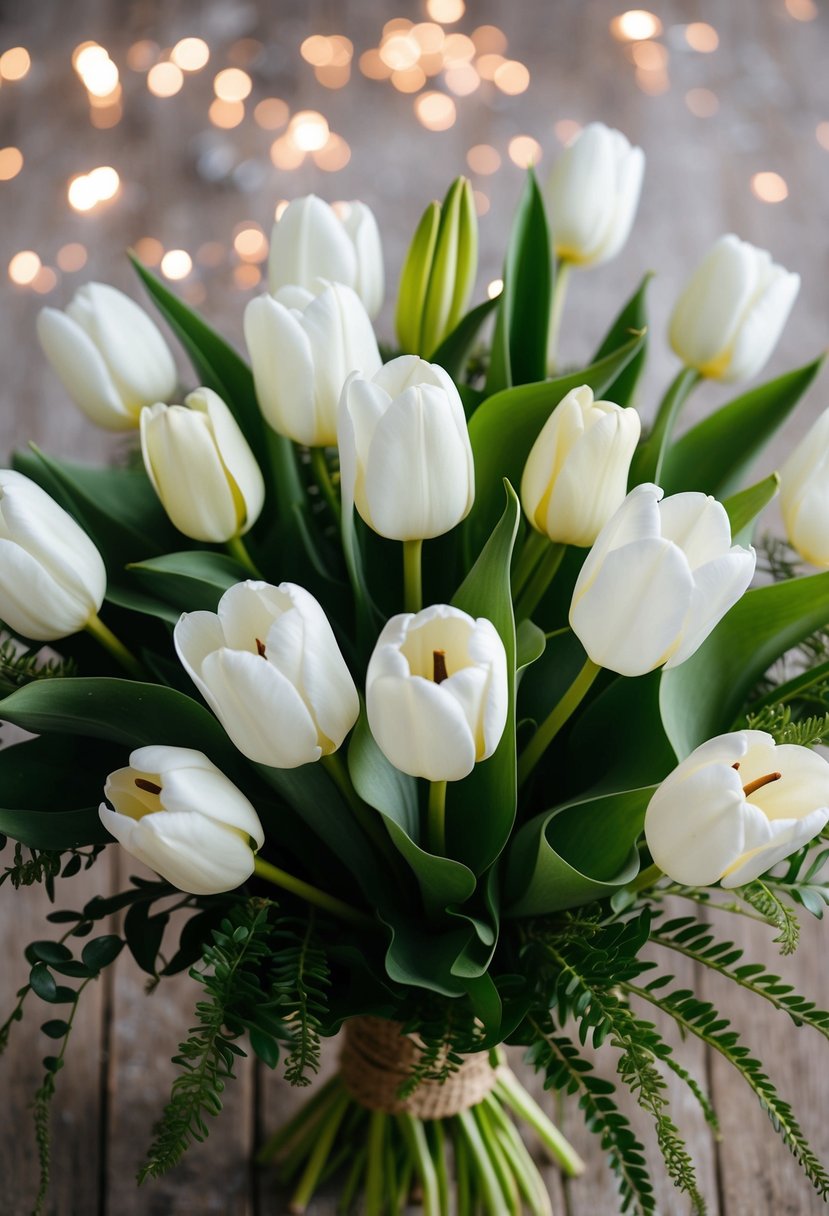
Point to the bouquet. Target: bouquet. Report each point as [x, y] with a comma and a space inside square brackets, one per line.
[422, 679]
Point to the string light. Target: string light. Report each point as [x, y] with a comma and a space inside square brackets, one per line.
[232, 84]
[15, 63]
[512, 77]
[635, 25]
[24, 267]
[176, 264]
[11, 162]
[190, 54]
[165, 79]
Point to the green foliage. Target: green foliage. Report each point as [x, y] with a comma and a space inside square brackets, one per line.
[300, 978]
[804, 880]
[20, 665]
[45, 865]
[775, 912]
[777, 720]
[447, 1030]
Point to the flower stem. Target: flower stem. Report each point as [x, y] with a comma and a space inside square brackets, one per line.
[436, 819]
[316, 1162]
[648, 460]
[539, 581]
[556, 312]
[103, 634]
[312, 895]
[513, 1095]
[533, 548]
[373, 1201]
[237, 548]
[494, 1202]
[552, 724]
[415, 1134]
[322, 476]
[365, 815]
[412, 575]
[308, 1113]
[646, 878]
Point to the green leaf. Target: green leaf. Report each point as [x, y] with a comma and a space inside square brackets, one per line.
[55, 1029]
[101, 951]
[50, 952]
[519, 347]
[530, 644]
[717, 454]
[649, 458]
[189, 581]
[568, 857]
[705, 694]
[414, 279]
[135, 601]
[631, 322]
[454, 351]
[744, 507]
[43, 982]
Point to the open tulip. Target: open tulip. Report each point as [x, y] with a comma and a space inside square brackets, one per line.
[313, 241]
[437, 693]
[735, 807]
[303, 347]
[656, 582]
[804, 494]
[576, 473]
[405, 456]
[727, 320]
[52, 578]
[269, 666]
[592, 195]
[176, 812]
[201, 467]
[109, 355]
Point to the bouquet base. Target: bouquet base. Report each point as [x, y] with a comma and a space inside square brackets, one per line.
[452, 1146]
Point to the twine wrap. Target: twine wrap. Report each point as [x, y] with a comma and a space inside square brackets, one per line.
[377, 1058]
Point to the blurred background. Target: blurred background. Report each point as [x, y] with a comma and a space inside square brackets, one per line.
[180, 129]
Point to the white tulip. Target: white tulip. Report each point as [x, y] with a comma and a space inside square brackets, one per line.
[659, 578]
[303, 347]
[182, 817]
[577, 470]
[735, 807]
[732, 311]
[268, 665]
[804, 494]
[109, 355]
[592, 195]
[201, 467]
[437, 692]
[405, 457]
[313, 241]
[52, 578]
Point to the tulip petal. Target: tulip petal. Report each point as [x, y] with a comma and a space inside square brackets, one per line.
[698, 524]
[342, 341]
[195, 636]
[708, 313]
[308, 243]
[192, 852]
[32, 603]
[694, 827]
[361, 226]
[283, 368]
[184, 464]
[717, 587]
[787, 837]
[803, 786]
[592, 481]
[762, 326]
[637, 519]
[82, 371]
[420, 729]
[212, 794]
[234, 452]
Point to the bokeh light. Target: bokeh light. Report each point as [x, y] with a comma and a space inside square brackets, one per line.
[769, 187]
[149, 250]
[309, 130]
[436, 111]
[271, 113]
[483, 158]
[232, 84]
[72, 256]
[524, 151]
[566, 130]
[250, 242]
[702, 37]
[447, 12]
[11, 162]
[822, 134]
[489, 39]
[24, 267]
[15, 63]
[165, 79]
[334, 156]
[802, 10]
[45, 280]
[635, 25]
[702, 103]
[226, 114]
[495, 288]
[190, 54]
[176, 264]
[512, 77]
[247, 276]
[142, 55]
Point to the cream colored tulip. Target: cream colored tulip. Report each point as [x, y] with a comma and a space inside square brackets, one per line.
[804, 494]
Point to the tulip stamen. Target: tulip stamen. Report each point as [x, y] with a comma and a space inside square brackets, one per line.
[439, 671]
[149, 786]
[736, 765]
[260, 648]
[753, 786]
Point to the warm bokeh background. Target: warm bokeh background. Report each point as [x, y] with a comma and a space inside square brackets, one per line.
[200, 117]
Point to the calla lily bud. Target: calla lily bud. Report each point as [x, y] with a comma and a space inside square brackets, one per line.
[303, 347]
[592, 195]
[804, 494]
[659, 578]
[109, 355]
[728, 319]
[576, 473]
[437, 692]
[201, 467]
[314, 241]
[182, 817]
[268, 665]
[52, 578]
[439, 272]
[735, 807]
[405, 456]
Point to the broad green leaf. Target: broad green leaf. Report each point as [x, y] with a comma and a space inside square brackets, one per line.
[136, 601]
[649, 458]
[530, 643]
[795, 688]
[631, 321]
[422, 958]
[568, 857]
[189, 581]
[744, 507]
[704, 695]
[519, 346]
[717, 454]
[454, 350]
[414, 280]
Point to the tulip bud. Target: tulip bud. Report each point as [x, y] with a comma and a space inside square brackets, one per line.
[52, 578]
[109, 355]
[314, 241]
[592, 195]
[439, 272]
[735, 807]
[437, 692]
[201, 467]
[576, 473]
[804, 494]
[269, 667]
[303, 348]
[659, 578]
[182, 817]
[405, 456]
[727, 320]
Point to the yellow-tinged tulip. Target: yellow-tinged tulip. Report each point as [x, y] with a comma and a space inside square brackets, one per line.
[804, 494]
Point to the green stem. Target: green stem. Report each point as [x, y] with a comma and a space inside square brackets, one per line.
[495, 1202]
[365, 815]
[648, 460]
[529, 1180]
[513, 1095]
[322, 476]
[237, 548]
[533, 549]
[646, 878]
[307, 1113]
[313, 895]
[104, 635]
[500, 1162]
[436, 822]
[355, 1174]
[439, 1158]
[374, 1196]
[463, 1197]
[316, 1162]
[556, 312]
[415, 1134]
[412, 575]
[551, 725]
[535, 588]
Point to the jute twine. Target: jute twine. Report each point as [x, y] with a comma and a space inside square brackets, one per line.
[377, 1058]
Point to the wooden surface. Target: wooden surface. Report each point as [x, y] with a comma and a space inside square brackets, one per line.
[769, 74]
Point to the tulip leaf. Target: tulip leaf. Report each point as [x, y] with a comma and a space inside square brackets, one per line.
[650, 456]
[570, 856]
[717, 454]
[453, 269]
[744, 507]
[519, 345]
[631, 321]
[136, 601]
[506, 425]
[705, 695]
[424, 959]
[454, 351]
[530, 644]
[193, 580]
[414, 280]
[474, 837]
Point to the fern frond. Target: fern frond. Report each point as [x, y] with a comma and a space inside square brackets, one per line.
[19, 665]
[775, 912]
[300, 979]
[777, 719]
